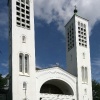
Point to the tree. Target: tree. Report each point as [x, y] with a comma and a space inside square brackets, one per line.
[96, 90]
[3, 81]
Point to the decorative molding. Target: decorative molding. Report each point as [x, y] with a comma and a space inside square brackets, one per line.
[41, 74]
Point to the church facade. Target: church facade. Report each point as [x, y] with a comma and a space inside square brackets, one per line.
[28, 83]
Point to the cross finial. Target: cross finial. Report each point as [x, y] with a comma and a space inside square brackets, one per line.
[75, 10]
[75, 6]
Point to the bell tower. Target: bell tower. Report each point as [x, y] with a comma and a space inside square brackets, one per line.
[78, 55]
[21, 50]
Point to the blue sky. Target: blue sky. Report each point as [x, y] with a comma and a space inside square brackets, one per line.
[50, 18]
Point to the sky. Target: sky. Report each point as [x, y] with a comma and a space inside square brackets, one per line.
[50, 40]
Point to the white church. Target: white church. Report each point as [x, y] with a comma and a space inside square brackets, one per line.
[28, 83]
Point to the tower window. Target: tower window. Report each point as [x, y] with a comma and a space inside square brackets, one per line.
[22, 5]
[28, 27]
[85, 45]
[23, 15]
[17, 3]
[80, 40]
[24, 85]
[23, 1]
[84, 26]
[27, 1]
[84, 30]
[23, 20]
[18, 23]
[27, 17]
[26, 63]
[82, 33]
[27, 12]
[82, 36]
[21, 62]
[83, 55]
[18, 19]
[18, 13]
[27, 22]
[23, 39]
[78, 31]
[79, 23]
[23, 10]
[85, 91]
[70, 38]
[78, 27]
[81, 29]
[27, 7]
[84, 74]
[20, 10]
[23, 25]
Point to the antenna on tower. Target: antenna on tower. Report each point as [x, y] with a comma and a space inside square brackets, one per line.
[75, 10]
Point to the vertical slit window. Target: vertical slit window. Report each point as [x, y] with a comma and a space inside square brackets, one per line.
[23, 39]
[21, 62]
[83, 55]
[24, 85]
[83, 74]
[26, 63]
[86, 75]
[27, 1]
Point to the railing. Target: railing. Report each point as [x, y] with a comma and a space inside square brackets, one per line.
[56, 97]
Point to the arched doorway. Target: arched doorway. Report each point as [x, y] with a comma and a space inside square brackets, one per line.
[56, 86]
[56, 89]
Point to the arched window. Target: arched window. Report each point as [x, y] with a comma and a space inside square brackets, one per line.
[83, 55]
[86, 74]
[20, 62]
[82, 74]
[27, 1]
[23, 39]
[25, 85]
[85, 91]
[26, 63]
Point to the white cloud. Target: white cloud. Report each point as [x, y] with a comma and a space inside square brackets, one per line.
[4, 64]
[4, 75]
[96, 62]
[62, 10]
[39, 67]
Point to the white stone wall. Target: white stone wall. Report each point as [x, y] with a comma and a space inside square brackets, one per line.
[18, 93]
[55, 74]
[75, 64]
[71, 55]
[83, 62]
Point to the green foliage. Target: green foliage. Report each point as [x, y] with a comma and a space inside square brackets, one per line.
[96, 90]
[3, 81]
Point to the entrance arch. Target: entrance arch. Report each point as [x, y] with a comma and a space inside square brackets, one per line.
[56, 86]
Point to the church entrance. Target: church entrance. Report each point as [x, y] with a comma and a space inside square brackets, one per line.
[56, 90]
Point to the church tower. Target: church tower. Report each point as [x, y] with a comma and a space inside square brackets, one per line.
[21, 50]
[78, 55]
